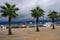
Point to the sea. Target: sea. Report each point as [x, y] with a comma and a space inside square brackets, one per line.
[26, 22]
[32, 23]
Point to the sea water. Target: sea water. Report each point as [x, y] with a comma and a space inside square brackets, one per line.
[30, 22]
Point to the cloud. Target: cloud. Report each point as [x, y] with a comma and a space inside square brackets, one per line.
[26, 5]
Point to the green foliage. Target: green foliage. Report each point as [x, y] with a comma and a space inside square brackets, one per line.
[53, 14]
[37, 12]
[3, 7]
[9, 10]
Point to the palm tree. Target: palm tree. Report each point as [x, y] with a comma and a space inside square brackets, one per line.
[36, 13]
[53, 15]
[9, 11]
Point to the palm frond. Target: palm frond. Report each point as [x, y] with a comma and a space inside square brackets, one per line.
[3, 7]
[7, 5]
[15, 15]
[16, 9]
[37, 12]
[4, 15]
[9, 10]
[53, 14]
[13, 6]
[4, 11]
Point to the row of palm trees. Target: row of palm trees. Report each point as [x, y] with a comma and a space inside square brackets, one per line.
[10, 11]
[38, 12]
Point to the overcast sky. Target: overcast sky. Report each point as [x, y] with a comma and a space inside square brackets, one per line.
[26, 5]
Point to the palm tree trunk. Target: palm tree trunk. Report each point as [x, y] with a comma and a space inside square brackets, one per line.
[37, 29]
[9, 31]
[53, 23]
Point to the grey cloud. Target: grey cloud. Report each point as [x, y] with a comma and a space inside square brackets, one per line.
[26, 5]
